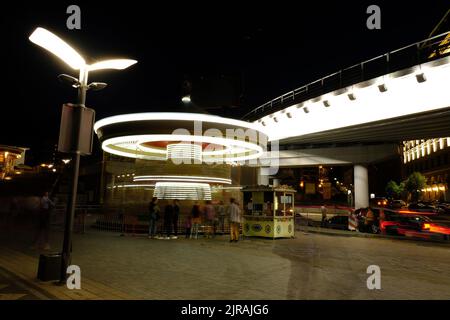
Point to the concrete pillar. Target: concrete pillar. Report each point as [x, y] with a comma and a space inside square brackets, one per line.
[262, 176]
[361, 176]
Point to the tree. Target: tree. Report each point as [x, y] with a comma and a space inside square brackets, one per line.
[394, 190]
[415, 182]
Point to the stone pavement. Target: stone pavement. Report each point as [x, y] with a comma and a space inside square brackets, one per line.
[24, 269]
[312, 266]
[12, 288]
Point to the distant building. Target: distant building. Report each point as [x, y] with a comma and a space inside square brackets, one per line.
[431, 157]
[11, 160]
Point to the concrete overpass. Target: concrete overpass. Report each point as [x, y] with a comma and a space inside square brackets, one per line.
[401, 95]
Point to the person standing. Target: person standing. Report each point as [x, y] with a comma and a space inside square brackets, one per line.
[187, 226]
[176, 215]
[153, 209]
[323, 210]
[45, 207]
[235, 220]
[168, 220]
[196, 220]
[250, 207]
[267, 209]
[369, 221]
[210, 216]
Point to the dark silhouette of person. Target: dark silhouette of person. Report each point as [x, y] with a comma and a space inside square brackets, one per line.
[176, 214]
[153, 209]
[168, 220]
[45, 208]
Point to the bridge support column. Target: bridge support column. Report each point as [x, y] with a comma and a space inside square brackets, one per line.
[361, 177]
[262, 176]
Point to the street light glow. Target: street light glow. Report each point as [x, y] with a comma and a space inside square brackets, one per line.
[69, 55]
[186, 99]
[118, 64]
[58, 47]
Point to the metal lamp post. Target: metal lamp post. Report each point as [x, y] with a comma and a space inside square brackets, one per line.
[62, 50]
[70, 210]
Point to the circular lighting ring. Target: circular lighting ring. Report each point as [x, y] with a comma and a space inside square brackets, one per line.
[224, 150]
[126, 135]
[182, 179]
[120, 147]
[182, 191]
[173, 116]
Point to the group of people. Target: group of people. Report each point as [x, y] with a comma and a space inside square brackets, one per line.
[209, 217]
[171, 214]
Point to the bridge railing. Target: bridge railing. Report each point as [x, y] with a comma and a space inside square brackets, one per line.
[414, 54]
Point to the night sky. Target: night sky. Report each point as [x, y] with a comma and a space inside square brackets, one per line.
[236, 54]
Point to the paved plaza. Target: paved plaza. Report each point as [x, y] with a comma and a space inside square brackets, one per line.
[312, 266]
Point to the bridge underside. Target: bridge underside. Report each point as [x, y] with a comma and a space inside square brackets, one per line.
[424, 125]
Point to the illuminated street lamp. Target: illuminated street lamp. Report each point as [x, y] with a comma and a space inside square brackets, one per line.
[70, 56]
[62, 50]
[186, 99]
[66, 53]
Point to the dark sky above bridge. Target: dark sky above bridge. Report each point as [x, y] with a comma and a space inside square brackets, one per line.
[235, 53]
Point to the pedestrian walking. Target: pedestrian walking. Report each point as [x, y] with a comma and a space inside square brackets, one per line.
[235, 220]
[154, 216]
[46, 205]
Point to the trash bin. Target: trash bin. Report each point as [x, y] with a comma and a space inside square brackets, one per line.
[49, 267]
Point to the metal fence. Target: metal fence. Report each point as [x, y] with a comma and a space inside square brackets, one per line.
[114, 219]
[426, 50]
[85, 216]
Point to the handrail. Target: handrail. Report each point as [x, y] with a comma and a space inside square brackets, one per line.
[291, 95]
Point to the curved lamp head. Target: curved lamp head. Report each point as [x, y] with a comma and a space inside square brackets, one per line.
[97, 86]
[69, 55]
[58, 47]
[118, 64]
[65, 78]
